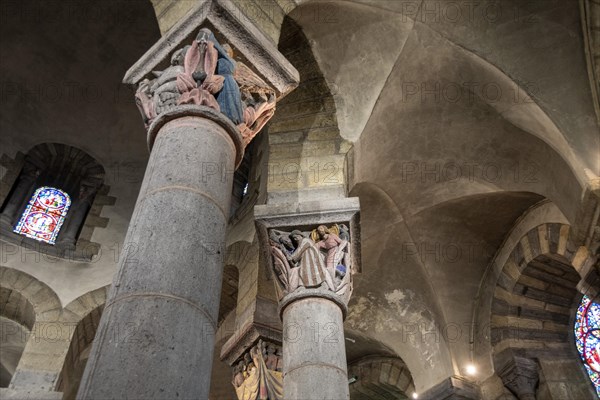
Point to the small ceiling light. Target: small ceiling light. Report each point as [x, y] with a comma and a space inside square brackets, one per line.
[415, 395]
[352, 380]
[471, 369]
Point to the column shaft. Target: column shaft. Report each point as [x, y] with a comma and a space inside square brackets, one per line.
[314, 352]
[156, 335]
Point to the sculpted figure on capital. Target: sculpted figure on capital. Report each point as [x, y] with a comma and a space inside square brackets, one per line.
[205, 73]
[316, 259]
[257, 376]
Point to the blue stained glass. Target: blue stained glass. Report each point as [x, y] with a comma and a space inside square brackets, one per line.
[44, 215]
[587, 338]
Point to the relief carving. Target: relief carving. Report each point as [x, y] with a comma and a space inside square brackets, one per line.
[257, 376]
[316, 259]
[205, 73]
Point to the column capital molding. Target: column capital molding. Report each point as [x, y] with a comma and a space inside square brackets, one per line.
[230, 24]
[215, 56]
[519, 374]
[246, 337]
[205, 72]
[304, 293]
[312, 249]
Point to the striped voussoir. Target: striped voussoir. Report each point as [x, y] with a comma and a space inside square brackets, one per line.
[537, 290]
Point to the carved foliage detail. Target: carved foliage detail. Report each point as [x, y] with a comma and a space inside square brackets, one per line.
[257, 376]
[316, 259]
[205, 73]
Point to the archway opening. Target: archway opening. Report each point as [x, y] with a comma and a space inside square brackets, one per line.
[78, 354]
[17, 318]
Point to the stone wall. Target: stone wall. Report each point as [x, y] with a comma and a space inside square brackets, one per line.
[307, 154]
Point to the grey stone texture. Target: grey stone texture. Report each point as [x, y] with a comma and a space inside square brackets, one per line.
[314, 356]
[161, 313]
[453, 388]
[240, 32]
[408, 148]
[12, 394]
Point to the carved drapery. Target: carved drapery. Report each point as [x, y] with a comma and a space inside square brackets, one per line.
[204, 73]
[258, 376]
[319, 258]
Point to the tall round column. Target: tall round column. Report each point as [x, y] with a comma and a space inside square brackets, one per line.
[314, 351]
[156, 335]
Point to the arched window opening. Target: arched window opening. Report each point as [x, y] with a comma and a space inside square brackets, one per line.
[44, 215]
[587, 338]
[53, 200]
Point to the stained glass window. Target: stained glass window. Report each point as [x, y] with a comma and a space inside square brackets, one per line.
[587, 338]
[44, 214]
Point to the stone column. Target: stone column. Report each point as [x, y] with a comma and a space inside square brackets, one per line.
[314, 349]
[156, 335]
[313, 254]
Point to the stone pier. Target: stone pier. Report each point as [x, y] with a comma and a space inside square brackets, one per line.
[314, 350]
[171, 268]
[156, 336]
[313, 253]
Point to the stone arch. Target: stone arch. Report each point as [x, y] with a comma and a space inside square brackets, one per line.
[531, 319]
[380, 377]
[82, 306]
[44, 303]
[85, 312]
[549, 241]
[23, 301]
[71, 170]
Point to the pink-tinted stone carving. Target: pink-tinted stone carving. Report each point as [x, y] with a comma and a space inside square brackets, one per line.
[316, 259]
[205, 73]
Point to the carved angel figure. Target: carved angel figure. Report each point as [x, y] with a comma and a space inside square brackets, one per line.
[205, 73]
[286, 272]
[310, 262]
[262, 382]
[321, 260]
[198, 83]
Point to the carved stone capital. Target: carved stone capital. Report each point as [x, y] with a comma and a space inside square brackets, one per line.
[231, 67]
[204, 73]
[455, 387]
[257, 373]
[312, 252]
[519, 374]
